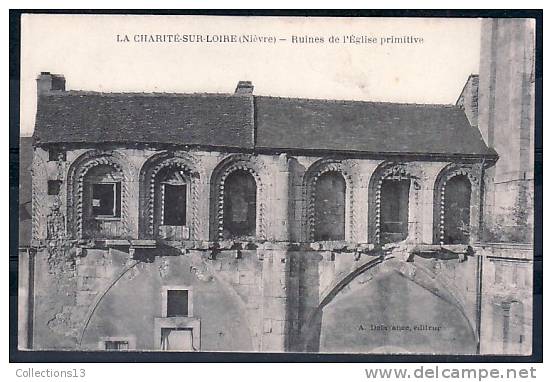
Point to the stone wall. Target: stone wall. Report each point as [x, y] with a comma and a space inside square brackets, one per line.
[107, 293]
[507, 121]
[285, 186]
[279, 291]
[275, 297]
[507, 299]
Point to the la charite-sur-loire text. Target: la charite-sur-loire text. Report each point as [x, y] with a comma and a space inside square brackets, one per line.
[266, 39]
[195, 38]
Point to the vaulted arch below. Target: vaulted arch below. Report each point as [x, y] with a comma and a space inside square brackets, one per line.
[387, 311]
[135, 306]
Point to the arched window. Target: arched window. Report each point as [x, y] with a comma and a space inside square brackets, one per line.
[456, 210]
[329, 207]
[169, 192]
[171, 195]
[394, 209]
[102, 202]
[240, 205]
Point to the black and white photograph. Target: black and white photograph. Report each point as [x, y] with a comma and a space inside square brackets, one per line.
[276, 184]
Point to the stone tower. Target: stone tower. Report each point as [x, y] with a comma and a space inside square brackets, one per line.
[506, 120]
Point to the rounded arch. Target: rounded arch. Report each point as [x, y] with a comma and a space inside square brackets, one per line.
[149, 172]
[449, 172]
[147, 282]
[371, 269]
[385, 171]
[232, 163]
[75, 186]
[240, 205]
[310, 179]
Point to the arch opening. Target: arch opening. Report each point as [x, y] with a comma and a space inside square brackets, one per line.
[171, 189]
[372, 312]
[379, 317]
[102, 202]
[329, 207]
[240, 205]
[456, 210]
[394, 209]
[169, 197]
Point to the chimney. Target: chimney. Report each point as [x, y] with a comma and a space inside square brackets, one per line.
[469, 99]
[47, 82]
[244, 87]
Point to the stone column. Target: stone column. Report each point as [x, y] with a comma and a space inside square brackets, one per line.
[414, 211]
[275, 273]
[428, 204]
[475, 204]
[428, 199]
[363, 199]
[505, 326]
[207, 198]
[279, 230]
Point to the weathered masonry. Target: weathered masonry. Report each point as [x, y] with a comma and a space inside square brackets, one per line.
[234, 222]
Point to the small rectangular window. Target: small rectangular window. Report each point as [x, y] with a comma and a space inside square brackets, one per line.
[56, 153]
[53, 187]
[106, 199]
[116, 345]
[174, 204]
[177, 303]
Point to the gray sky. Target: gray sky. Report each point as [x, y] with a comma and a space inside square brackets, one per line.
[86, 51]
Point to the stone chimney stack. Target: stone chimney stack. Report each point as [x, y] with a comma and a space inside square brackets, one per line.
[469, 100]
[244, 87]
[47, 82]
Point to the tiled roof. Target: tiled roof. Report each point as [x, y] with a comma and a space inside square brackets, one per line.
[365, 127]
[198, 119]
[247, 122]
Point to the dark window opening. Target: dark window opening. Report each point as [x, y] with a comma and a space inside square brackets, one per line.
[457, 210]
[106, 199]
[174, 204]
[394, 210]
[54, 187]
[240, 205]
[177, 303]
[56, 153]
[329, 207]
[116, 345]
[101, 198]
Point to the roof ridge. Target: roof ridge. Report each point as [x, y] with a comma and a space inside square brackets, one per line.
[232, 95]
[133, 94]
[436, 105]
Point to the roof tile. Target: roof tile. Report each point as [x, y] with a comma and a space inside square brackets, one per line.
[226, 120]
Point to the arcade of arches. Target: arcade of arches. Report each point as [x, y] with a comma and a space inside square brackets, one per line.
[283, 243]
